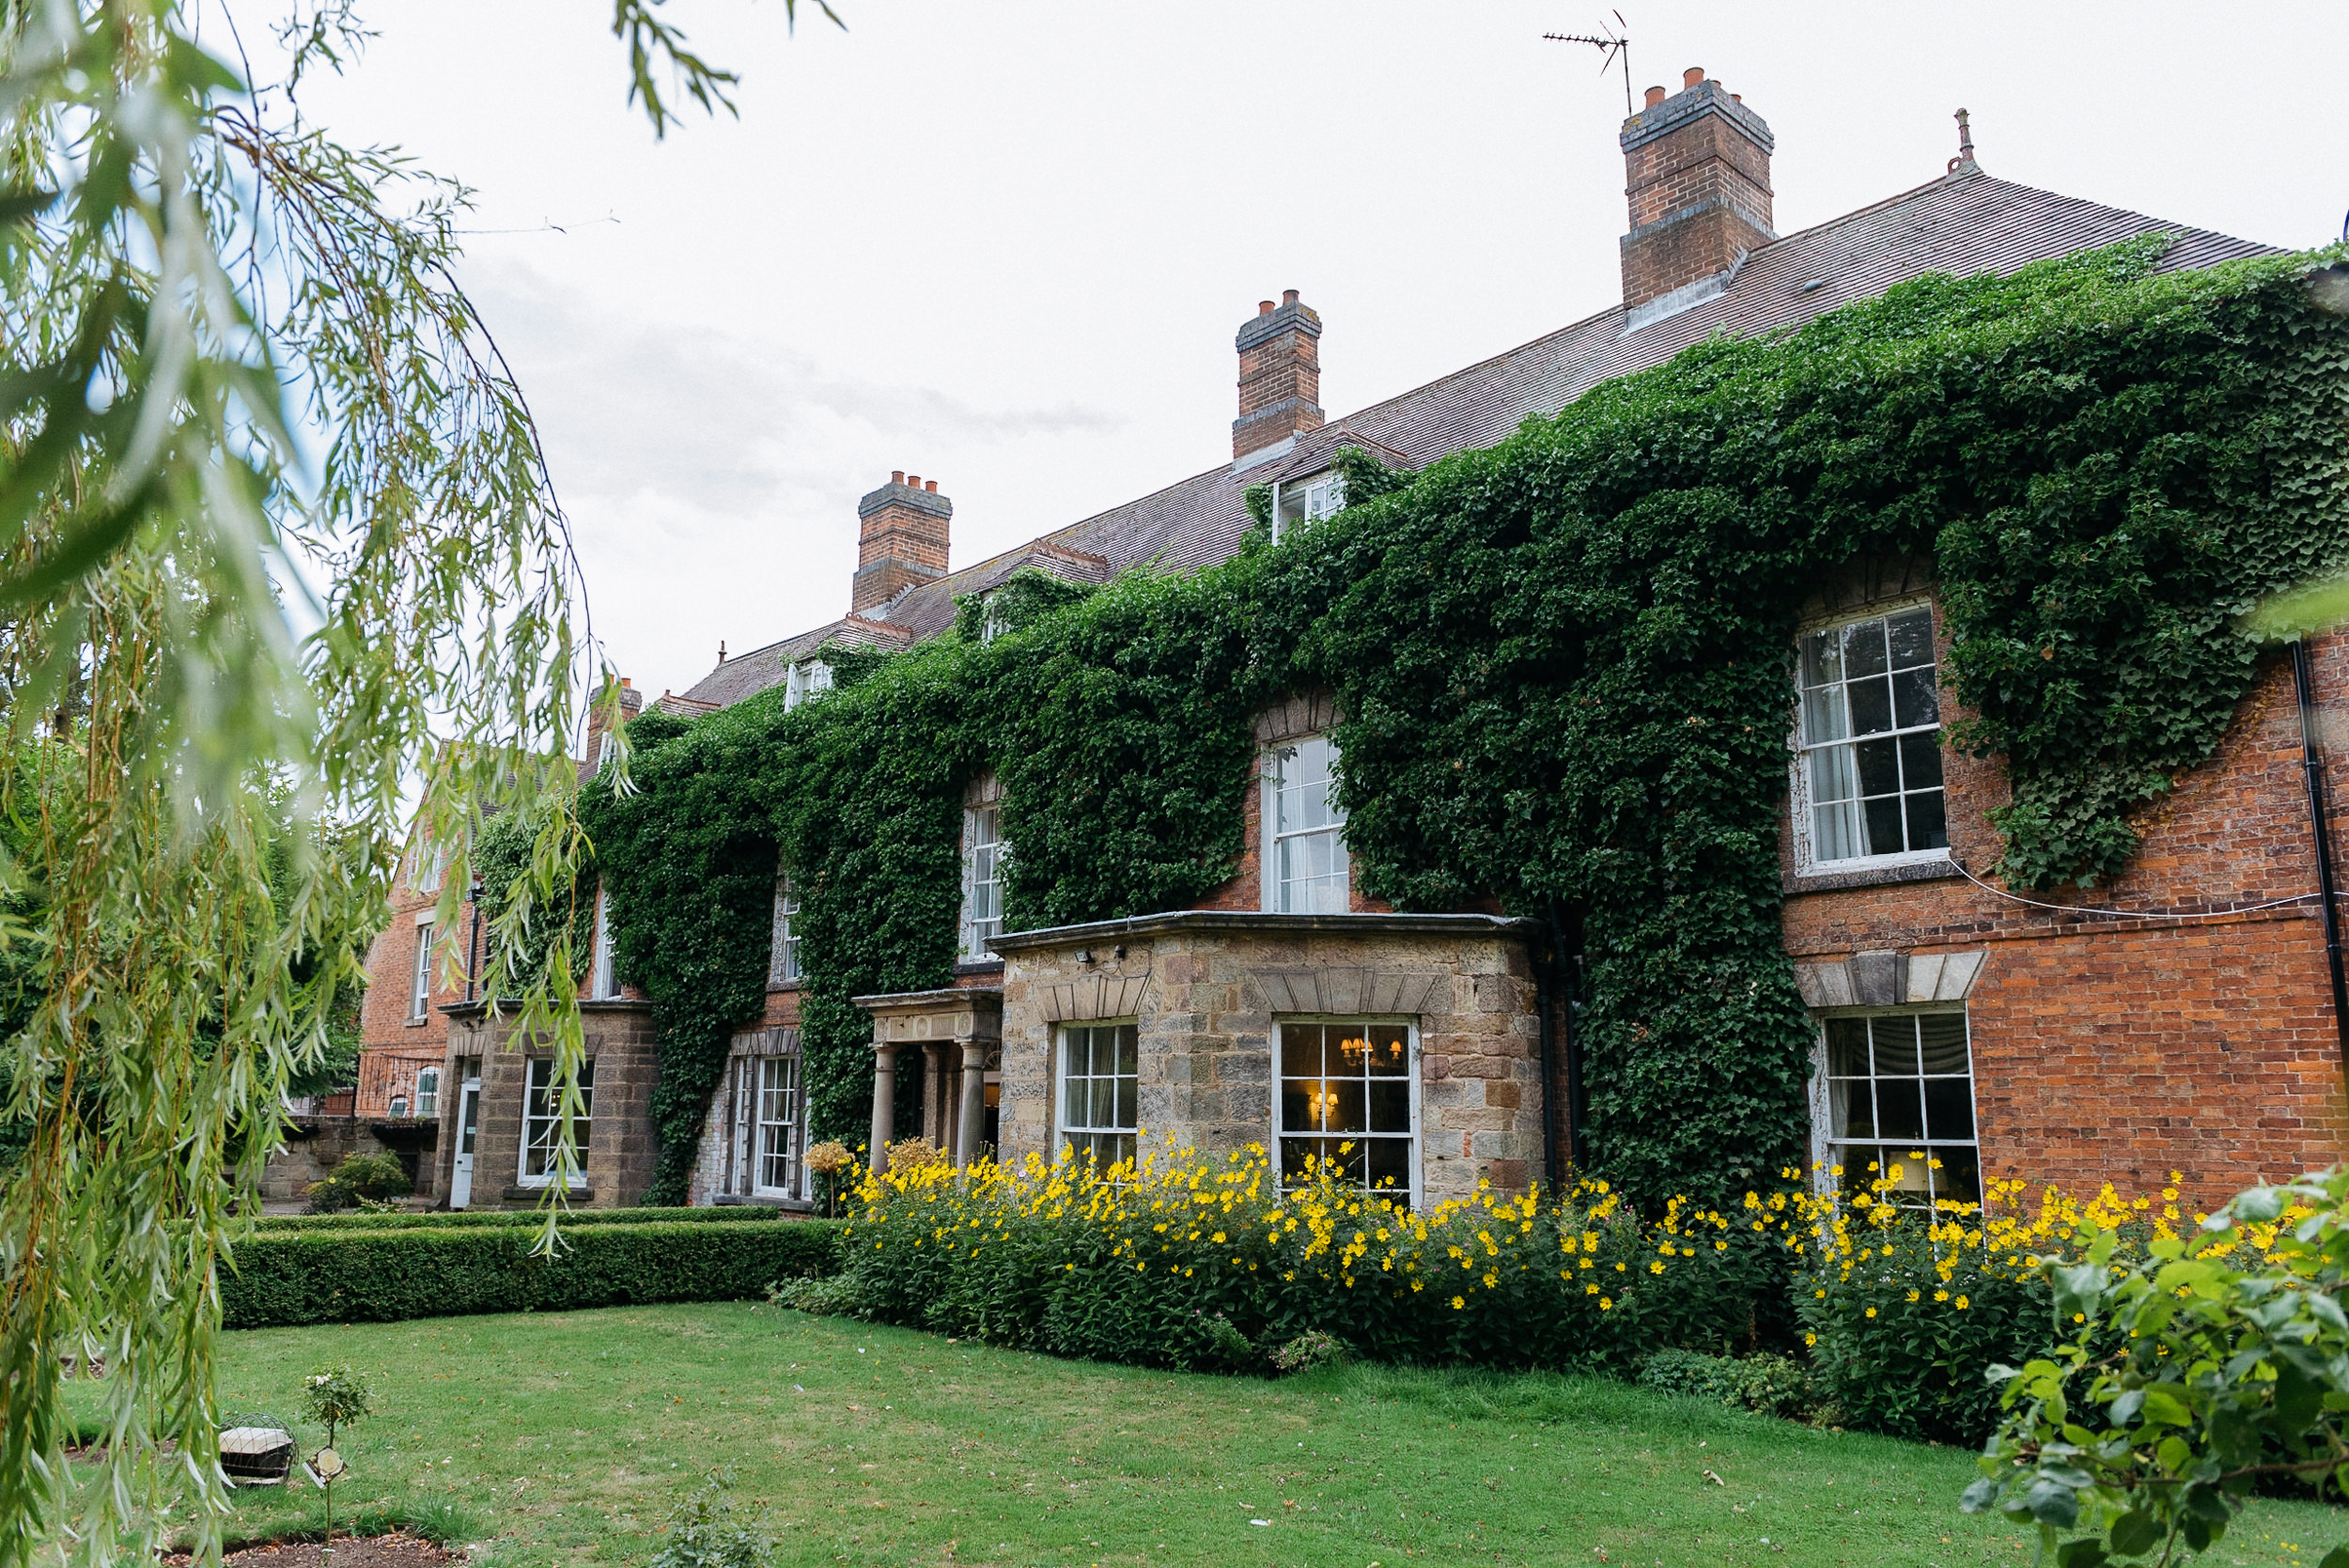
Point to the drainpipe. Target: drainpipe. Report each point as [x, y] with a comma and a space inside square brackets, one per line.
[473, 942]
[1578, 1135]
[2312, 765]
[1542, 1004]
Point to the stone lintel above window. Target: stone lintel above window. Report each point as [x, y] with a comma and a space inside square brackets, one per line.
[1886, 978]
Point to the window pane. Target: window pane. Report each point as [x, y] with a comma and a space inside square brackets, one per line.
[1074, 1103]
[1859, 1111]
[1911, 636]
[1391, 1106]
[1125, 1096]
[1301, 1049]
[1343, 1102]
[1871, 706]
[1896, 1044]
[1835, 831]
[1949, 1107]
[1884, 824]
[1847, 1048]
[1863, 650]
[1821, 658]
[1959, 1180]
[1299, 1099]
[1822, 715]
[1943, 1039]
[1388, 1162]
[1128, 1039]
[1390, 1050]
[1104, 1103]
[1879, 766]
[1914, 701]
[1900, 1108]
[1928, 824]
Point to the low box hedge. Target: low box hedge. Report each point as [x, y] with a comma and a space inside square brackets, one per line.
[281, 1279]
[466, 1218]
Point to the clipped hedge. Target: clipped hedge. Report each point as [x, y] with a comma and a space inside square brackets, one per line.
[280, 1280]
[466, 1218]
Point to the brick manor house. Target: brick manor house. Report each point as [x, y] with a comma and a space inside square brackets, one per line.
[2009, 1038]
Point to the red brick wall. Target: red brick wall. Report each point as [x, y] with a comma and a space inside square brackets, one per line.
[2120, 1049]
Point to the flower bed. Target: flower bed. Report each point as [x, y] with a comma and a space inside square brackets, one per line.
[1177, 1261]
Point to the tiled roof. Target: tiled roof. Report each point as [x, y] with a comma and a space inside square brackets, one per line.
[1963, 224]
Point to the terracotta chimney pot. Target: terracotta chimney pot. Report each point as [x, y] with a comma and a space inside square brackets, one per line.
[1691, 77]
[931, 487]
[1655, 95]
[1264, 307]
[897, 475]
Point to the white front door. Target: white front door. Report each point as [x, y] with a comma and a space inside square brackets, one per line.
[468, 1121]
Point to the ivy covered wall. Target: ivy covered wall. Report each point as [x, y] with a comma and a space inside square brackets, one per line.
[1564, 669]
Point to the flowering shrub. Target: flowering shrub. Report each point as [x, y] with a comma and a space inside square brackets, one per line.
[1166, 1259]
[1905, 1309]
[2192, 1371]
[1770, 1385]
[1310, 1351]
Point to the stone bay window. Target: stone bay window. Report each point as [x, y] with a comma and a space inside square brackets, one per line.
[1399, 1053]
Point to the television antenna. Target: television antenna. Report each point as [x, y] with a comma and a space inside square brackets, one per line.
[1612, 44]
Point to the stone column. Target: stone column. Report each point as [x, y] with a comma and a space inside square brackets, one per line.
[973, 1127]
[934, 1093]
[884, 1104]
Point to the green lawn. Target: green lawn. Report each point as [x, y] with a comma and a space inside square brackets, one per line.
[569, 1434]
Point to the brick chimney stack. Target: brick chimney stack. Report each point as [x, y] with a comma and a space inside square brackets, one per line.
[1280, 380]
[1697, 168]
[901, 540]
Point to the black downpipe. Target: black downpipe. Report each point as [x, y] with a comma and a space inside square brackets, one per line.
[473, 941]
[1577, 1136]
[2312, 765]
[1549, 1079]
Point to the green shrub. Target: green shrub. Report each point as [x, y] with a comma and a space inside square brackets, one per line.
[1309, 1352]
[385, 1275]
[465, 1219]
[1766, 1384]
[709, 1530]
[823, 1294]
[360, 1176]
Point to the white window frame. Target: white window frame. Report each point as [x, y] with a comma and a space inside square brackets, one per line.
[1826, 1140]
[538, 1080]
[1066, 1133]
[1807, 860]
[420, 976]
[1413, 1141]
[982, 878]
[1318, 496]
[428, 1091]
[1276, 890]
[601, 986]
[429, 865]
[807, 678]
[775, 1140]
[783, 955]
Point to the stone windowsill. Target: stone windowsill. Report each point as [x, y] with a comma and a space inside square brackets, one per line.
[1871, 877]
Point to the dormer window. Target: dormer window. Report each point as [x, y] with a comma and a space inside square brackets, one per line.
[807, 678]
[1303, 500]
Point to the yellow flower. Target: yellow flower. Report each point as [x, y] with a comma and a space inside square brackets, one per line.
[1458, 1302]
[1872, 1312]
[1961, 1303]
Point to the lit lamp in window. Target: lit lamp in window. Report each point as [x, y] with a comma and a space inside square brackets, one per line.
[1357, 1051]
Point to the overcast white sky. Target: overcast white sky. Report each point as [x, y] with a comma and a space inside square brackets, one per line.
[1006, 245]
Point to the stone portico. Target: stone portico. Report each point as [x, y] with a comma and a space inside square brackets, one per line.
[953, 1038]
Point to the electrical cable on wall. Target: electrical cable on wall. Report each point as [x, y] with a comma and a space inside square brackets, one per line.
[2132, 914]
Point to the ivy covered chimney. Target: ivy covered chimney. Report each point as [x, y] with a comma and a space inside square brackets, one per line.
[901, 540]
[1697, 168]
[1280, 380]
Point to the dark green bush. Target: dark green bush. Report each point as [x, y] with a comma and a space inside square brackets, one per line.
[371, 1176]
[1766, 1384]
[386, 1275]
[465, 1219]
